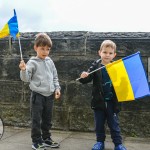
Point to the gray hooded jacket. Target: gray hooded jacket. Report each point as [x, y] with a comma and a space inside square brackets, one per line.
[42, 75]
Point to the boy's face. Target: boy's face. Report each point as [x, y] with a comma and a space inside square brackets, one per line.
[107, 54]
[42, 51]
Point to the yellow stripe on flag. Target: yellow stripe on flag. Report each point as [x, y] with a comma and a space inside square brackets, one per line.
[120, 81]
[5, 31]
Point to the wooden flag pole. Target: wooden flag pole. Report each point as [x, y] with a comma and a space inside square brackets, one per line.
[20, 48]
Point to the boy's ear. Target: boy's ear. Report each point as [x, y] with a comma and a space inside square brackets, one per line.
[35, 47]
[99, 52]
[115, 55]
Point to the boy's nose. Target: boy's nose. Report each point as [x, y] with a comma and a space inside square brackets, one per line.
[45, 51]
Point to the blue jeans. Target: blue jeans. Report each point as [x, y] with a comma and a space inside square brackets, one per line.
[101, 116]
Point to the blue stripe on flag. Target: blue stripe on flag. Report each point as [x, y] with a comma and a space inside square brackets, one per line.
[137, 75]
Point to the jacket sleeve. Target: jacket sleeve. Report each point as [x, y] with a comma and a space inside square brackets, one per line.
[90, 77]
[26, 75]
[55, 78]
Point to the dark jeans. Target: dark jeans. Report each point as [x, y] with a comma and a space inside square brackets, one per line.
[113, 123]
[41, 116]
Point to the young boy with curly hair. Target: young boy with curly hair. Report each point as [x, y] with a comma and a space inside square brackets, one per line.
[41, 73]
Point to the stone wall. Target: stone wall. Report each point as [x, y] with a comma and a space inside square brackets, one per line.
[72, 53]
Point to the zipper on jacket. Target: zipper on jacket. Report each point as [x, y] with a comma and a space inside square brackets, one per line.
[106, 104]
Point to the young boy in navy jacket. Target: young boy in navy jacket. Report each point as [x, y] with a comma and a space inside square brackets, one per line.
[104, 101]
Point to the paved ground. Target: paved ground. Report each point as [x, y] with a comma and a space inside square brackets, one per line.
[19, 139]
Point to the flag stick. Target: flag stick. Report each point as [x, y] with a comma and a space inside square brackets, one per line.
[92, 72]
[20, 48]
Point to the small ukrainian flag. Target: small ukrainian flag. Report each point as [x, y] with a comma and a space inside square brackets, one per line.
[10, 28]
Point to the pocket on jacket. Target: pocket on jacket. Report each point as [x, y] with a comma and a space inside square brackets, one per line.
[35, 84]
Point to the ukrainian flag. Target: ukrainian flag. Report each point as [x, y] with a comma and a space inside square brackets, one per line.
[128, 78]
[10, 28]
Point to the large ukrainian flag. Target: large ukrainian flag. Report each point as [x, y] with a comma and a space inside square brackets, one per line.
[10, 28]
[128, 78]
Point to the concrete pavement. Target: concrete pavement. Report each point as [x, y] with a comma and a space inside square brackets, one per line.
[19, 139]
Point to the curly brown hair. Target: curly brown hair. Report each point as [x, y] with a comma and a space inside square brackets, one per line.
[42, 39]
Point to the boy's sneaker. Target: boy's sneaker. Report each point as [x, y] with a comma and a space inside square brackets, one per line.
[98, 146]
[50, 143]
[38, 146]
[120, 147]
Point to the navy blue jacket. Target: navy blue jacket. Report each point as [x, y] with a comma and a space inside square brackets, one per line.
[97, 101]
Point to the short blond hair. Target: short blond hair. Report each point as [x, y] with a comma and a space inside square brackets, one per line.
[108, 43]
